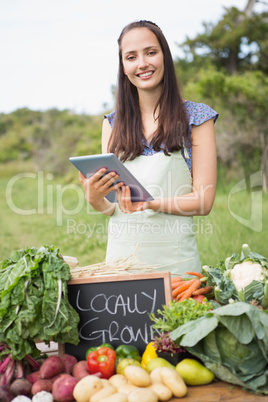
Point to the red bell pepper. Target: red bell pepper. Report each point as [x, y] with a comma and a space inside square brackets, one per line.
[102, 361]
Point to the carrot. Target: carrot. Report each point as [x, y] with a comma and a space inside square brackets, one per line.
[194, 286]
[180, 295]
[198, 274]
[185, 285]
[176, 291]
[174, 285]
[176, 279]
[202, 291]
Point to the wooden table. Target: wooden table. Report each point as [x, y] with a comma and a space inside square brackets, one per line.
[219, 391]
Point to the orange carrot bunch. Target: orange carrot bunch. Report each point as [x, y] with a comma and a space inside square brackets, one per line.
[184, 288]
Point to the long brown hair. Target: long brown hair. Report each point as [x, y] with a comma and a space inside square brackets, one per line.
[127, 138]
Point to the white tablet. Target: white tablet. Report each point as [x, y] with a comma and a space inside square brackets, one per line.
[90, 164]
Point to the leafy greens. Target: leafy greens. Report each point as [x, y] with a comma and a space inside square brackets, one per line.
[34, 301]
[177, 314]
[232, 342]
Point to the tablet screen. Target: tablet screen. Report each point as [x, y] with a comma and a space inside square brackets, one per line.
[90, 164]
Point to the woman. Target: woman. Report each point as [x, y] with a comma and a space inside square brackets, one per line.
[168, 144]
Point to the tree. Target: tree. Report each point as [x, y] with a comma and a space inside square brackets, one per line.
[47, 139]
[244, 97]
[227, 66]
[238, 42]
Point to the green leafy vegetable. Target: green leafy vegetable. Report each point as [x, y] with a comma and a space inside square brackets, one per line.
[232, 342]
[179, 313]
[242, 277]
[34, 301]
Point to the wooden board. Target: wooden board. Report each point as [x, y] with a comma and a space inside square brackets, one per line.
[219, 391]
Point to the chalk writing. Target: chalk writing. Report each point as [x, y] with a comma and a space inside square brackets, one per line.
[113, 333]
[116, 304]
[117, 310]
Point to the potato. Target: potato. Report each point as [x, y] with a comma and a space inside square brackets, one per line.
[53, 379]
[117, 380]
[52, 366]
[80, 369]
[118, 397]
[142, 394]
[173, 381]
[86, 388]
[42, 385]
[104, 382]
[162, 391]
[62, 388]
[155, 375]
[137, 376]
[33, 377]
[126, 388]
[103, 393]
[69, 361]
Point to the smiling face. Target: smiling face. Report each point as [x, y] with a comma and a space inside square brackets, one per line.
[143, 59]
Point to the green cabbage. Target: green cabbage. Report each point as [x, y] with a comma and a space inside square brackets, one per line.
[225, 289]
[232, 342]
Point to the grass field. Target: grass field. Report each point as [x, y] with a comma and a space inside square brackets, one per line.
[36, 209]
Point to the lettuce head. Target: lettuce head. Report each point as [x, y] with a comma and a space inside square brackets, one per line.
[232, 342]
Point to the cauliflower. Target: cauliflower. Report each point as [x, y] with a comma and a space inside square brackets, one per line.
[246, 272]
[241, 277]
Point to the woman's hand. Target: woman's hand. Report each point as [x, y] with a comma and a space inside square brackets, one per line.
[123, 196]
[98, 186]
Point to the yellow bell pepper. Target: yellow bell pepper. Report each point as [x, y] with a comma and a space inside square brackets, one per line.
[148, 354]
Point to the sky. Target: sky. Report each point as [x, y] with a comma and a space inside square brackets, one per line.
[63, 53]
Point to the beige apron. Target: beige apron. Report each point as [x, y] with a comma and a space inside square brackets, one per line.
[164, 240]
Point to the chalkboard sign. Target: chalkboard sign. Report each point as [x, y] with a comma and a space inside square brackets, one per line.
[115, 309]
